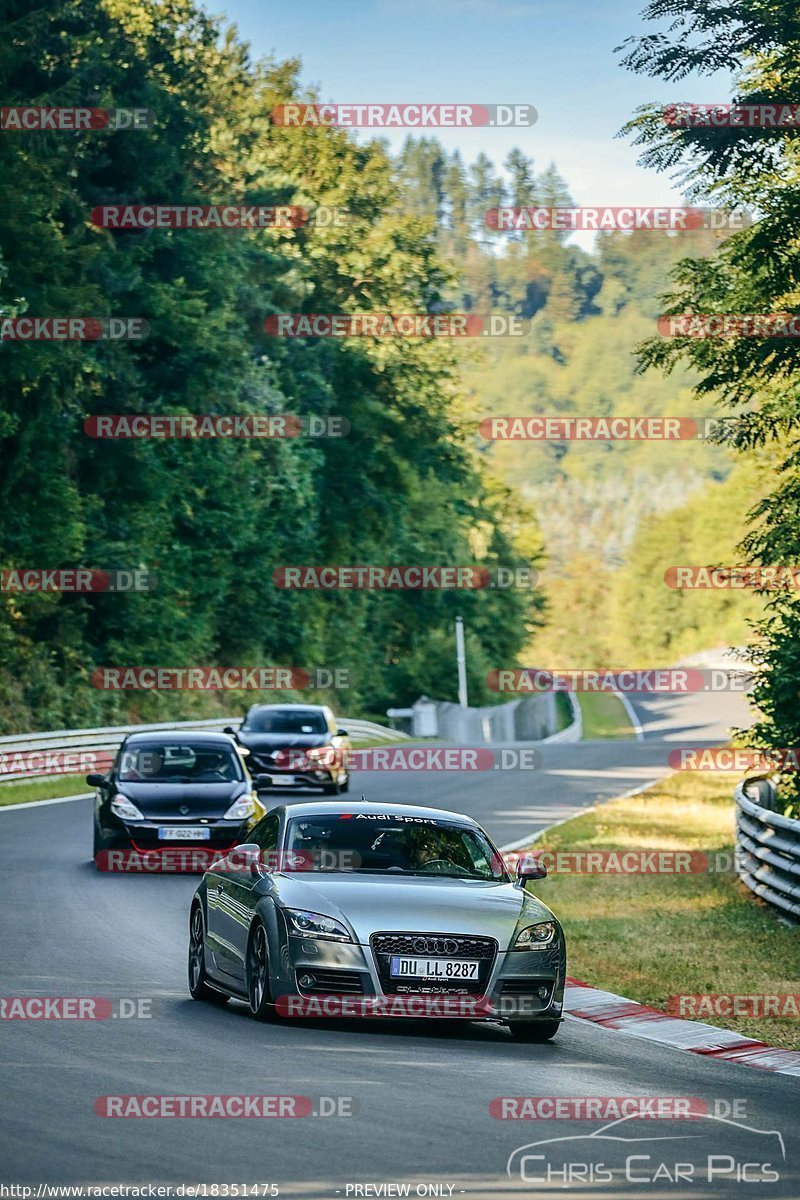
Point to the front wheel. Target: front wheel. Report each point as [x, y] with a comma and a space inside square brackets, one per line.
[198, 980]
[332, 789]
[258, 993]
[99, 849]
[534, 1031]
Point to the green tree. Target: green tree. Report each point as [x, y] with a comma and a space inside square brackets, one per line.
[756, 270]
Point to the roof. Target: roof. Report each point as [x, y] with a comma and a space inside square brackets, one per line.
[304, 707]
[325, 808]
[198, 736]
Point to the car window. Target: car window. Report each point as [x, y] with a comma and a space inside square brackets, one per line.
[285, 721]
[380, 843]
[178, 762]
[265, 833]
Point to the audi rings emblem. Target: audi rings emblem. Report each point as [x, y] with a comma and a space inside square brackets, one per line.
[435, 945]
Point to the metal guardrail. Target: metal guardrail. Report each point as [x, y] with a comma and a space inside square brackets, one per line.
[574, 731]
[767, 848]
[79, 751]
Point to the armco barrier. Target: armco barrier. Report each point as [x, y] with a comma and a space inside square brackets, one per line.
[31, 755]
[768, 848]
[530, 719]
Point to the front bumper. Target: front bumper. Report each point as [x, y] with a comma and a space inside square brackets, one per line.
[135, 846]
[318, 777]
[321, 978]
[143, 835]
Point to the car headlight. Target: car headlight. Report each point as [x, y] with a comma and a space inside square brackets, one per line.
[122, 807]
[244, 807]
[323, 755]
[533, 936]
[315, 925]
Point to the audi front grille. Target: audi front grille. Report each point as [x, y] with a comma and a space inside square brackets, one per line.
[434, 945]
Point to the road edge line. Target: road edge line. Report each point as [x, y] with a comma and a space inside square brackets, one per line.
[4, 808]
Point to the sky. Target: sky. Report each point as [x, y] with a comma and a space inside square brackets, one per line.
[557, 56]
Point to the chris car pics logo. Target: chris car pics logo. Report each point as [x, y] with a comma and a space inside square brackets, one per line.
[713, 1152]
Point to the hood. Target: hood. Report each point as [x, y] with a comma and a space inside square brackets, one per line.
[159, 801]
[282, 741]
[395, 903]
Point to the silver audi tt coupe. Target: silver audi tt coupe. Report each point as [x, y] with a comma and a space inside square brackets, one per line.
[359, 909]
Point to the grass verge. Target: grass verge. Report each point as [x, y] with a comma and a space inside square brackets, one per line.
[47, 788]
[604, 716]
[563, 711]
[648, 937]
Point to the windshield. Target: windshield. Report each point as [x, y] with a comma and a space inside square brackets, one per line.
[273, 720]
[361, 842]
[179, 762]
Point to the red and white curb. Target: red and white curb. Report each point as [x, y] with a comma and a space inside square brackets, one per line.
[616, 1012]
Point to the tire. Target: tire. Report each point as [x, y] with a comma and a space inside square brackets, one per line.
[98, 847]
[346, 785]
[259, 997]
[332, 789]
[533, 1031]
[198, 980]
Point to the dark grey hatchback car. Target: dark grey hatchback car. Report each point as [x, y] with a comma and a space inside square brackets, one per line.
[172, 799]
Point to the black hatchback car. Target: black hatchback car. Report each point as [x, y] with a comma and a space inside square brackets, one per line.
[296, 745]
[172, 792]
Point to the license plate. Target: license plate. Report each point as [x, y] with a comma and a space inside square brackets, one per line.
[184, 833]
[406, 967]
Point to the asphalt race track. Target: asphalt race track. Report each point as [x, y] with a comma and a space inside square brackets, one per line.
[419, 1097]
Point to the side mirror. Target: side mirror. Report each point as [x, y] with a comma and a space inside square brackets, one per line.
[248, 855]
[529, 867]
[96, 780]
[229, 729]
[342, 733]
